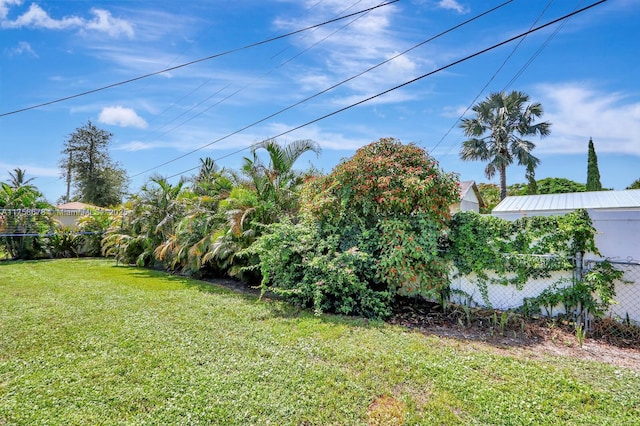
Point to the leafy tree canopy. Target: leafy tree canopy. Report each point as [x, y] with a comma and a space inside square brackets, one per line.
[559, 186]
[490, 193]
[390, 200]
[86, 162]
[634, 185]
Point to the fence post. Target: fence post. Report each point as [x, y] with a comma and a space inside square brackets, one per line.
[580, 316]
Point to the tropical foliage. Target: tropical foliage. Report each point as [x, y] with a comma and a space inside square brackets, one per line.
[369, 230]
[498, 131]
[20, 227]
[200, 225]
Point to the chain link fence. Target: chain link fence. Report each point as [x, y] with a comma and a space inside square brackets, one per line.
[472, 291]
[621, 323]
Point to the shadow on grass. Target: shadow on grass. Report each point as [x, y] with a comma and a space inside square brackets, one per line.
[423, 317]
[278, 308]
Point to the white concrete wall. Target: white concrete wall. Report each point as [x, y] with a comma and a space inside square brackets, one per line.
[503, 297]
[618, 236]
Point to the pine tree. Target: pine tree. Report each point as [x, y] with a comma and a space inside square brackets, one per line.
[86, 161]
[593, 174]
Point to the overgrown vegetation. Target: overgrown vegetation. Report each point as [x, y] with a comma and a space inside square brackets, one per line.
[369, 230]
[499, 252]
[145, 347]
[374, 229]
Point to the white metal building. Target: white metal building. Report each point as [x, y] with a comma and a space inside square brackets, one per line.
[615, 215]
[616, 218]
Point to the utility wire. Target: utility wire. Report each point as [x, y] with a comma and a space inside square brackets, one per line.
[537, 53]
[515, 48]
[158, 131]
[250, 83]
[327, 89]
[520, 71]
[466, 58]
[217, 55]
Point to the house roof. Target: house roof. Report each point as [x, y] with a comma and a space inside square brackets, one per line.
[571, 201]
[76, 206]
[470, 185]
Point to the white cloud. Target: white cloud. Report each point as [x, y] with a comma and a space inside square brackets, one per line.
[123, 117]
[135, 146]
[36, 17]
[453, 5]
[31, 170]
[22, 48]
[577, 112]
[104, 22]
[358, 44]
[4, 7]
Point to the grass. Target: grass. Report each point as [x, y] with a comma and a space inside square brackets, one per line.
[86, 342]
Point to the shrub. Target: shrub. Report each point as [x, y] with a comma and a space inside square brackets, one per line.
[390, 201]
[298, 264]
[369, 230]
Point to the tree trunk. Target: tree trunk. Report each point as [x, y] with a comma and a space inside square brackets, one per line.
[503, 182]
[68, 197]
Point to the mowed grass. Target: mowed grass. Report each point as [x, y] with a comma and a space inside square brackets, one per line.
[88, 342]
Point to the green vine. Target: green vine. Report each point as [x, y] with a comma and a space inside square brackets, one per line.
[594, 293]
[505, 252]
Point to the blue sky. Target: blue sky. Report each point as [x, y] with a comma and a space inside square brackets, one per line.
[585, 74]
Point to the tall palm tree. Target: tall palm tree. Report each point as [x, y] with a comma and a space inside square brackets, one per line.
[18, 179]
[498, 133]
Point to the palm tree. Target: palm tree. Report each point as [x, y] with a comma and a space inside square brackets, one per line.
[275, 182]
[18, 181]
[497, 133]
[149, 223]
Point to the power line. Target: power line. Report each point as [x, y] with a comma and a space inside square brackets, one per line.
[157, 132]
[518, 74]
[327, 89]
[515, 48]
[466, 58]
[250, 83]
[186, 64]
[537, 53]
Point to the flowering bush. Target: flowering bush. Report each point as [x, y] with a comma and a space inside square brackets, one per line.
[371, 230]
[391, 201]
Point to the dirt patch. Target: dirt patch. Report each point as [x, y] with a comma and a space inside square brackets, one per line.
[514, 334]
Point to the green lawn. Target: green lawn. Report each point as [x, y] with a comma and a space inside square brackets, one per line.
[87, 342]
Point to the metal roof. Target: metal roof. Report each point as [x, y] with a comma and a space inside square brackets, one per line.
[570, 201]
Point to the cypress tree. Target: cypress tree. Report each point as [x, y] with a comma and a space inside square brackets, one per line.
[532, 185]
[593, 174]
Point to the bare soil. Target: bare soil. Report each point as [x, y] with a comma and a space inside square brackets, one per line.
[533, 338]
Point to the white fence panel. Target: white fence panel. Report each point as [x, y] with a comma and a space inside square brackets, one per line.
[503, 297]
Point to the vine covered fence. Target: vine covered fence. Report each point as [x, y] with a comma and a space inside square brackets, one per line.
[472, 291]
